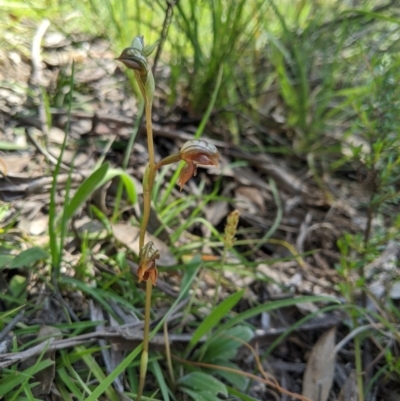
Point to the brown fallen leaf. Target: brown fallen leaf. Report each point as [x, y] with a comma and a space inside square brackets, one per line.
[349, 390]
[129, 236]
[251, 199]
[320, 369]
[3, 167]
[46, 376]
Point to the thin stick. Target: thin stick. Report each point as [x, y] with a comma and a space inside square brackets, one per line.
[164, 32]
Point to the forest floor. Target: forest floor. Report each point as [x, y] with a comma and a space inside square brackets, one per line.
[298, 258]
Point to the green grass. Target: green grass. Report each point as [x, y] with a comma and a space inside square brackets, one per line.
[308, 79]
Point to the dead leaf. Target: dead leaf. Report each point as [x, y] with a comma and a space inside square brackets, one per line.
[129, 236]
[319, 373]
[349, 390]
[3, 167]
[91, 229]
[251, 199]
[97, 315]
[395, 290]
[216, 211]
[15, 164]
[37, 226]
[46, 376]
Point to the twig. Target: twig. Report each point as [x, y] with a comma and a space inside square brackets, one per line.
[134, 336]
[164, 32]
[11, 325]
[43, 151]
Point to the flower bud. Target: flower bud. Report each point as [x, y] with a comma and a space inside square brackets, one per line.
[138, 43]
[134, 57]
[147, 265]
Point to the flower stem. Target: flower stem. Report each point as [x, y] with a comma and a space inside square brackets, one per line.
[176, 157]
[145, 353]
[147, 188]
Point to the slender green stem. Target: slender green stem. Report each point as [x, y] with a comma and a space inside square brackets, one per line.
[219, 278]
[278, 217]
[147, 188]
[145, 353]
[176, 157]
[197, 135]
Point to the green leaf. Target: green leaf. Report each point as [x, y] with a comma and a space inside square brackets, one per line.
[190, 272]
[199, 381]
[88, 186]
[97, 372]
[98, 178]
[96, 393]
[225, 345]
[159, 375]
[69, 382]
[17, 286]
[10, 381]
[10, 312]
[28, 392]
[215, 316]
[237, 379]
[282, 303]
[5, 145]
[240, 395]
[201, 395]
[373, 15]
[29, 257]
[126, 179]
[5, 260]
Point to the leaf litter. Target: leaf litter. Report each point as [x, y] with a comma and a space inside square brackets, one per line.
[309, 224]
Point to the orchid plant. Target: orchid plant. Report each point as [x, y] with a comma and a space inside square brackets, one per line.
[193, 153]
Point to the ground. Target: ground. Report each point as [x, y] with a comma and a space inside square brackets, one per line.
[286, 247]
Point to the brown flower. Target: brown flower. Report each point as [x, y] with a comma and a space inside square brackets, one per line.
[147, 265]
[196, 152]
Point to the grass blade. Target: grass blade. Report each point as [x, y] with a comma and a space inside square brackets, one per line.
[101, 388]
[98, 178]
[214, 318]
